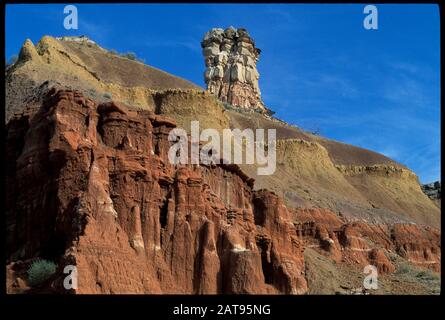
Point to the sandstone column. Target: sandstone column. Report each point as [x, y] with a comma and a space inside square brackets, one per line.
[230, 58]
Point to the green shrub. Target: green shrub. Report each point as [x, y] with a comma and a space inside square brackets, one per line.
[227, 106]
[92, 92]
[130, 55]
[427, 275]
[107, 95]
[404, 268]
[40, 271]
[315, 132]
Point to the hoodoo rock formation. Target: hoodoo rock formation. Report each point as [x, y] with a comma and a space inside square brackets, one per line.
[230, 58]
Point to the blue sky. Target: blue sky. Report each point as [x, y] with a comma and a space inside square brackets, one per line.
[319, 68]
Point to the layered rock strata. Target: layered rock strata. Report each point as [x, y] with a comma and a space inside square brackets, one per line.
[361, 243]
[230, 58]
[91, 185]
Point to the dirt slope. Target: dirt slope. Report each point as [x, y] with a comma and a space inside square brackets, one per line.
[99, 73]
[109, 67]
[359, 183]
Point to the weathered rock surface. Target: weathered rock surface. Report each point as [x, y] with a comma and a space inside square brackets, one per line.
[433, 191]
[230, 58]
[364, 244]
[90, 185]
[306, 175]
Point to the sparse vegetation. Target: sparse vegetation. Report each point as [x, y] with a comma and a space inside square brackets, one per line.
[412, 274]
[258, 110]
[316, 132]
[228, 106]
[427, 275]
[107, 95]
[404, 268]
[312, 128]
[40, 271]
[92, 93]
[129, 55]
[12, 60]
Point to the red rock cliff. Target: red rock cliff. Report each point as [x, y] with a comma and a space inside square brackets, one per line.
[91, 185]
[360, 243]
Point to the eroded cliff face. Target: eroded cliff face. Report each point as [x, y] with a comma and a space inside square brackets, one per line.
[90, 184]
[306, 176]
[362, 244]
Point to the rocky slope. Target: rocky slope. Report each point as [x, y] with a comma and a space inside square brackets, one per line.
[85, 66]
[89, 183]
[362, 184]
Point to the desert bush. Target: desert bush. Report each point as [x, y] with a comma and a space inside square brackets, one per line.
[92, 92]
[107, 95]
[40, 271]
[228, 106]
[427, 275]
[130, 55]
[404, 268]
